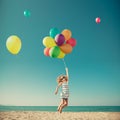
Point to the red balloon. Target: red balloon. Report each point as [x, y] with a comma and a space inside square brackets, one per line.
[98, 20]
[72, 42]
[46, 51]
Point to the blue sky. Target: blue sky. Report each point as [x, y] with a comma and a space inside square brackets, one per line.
[29, 78]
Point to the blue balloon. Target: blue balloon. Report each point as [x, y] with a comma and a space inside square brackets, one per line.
[27, 13]
[54, 32]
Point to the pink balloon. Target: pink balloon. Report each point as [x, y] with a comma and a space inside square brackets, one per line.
[98, 20]
[46, 51]
[72, 42]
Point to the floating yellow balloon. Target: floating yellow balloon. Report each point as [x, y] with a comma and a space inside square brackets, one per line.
[13, 44]
[49, 42]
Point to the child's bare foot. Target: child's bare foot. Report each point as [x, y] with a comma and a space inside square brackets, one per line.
[60, 110]
[59, 107]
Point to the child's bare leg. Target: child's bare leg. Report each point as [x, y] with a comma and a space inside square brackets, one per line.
[65, 103]
[61, 103]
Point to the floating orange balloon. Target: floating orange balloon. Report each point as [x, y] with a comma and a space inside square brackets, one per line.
[66, 48]
[67, 34]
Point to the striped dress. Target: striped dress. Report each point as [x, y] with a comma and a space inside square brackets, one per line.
[65, 90]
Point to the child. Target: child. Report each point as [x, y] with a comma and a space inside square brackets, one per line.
[63, 83]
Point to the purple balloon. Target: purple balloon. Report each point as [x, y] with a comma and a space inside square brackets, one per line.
[59, 39]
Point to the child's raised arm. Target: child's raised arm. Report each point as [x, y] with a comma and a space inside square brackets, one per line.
[66, 69]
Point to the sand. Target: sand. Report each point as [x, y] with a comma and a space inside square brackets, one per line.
[38, 115]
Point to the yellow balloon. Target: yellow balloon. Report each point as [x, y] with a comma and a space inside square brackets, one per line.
[67, 34]
[13, 44]
[61, 55]
[49, 42]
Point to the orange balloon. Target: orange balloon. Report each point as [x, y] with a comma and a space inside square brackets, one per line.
[67, 34]
[66, 48]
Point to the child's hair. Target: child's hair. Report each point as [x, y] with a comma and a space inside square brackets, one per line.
[61, 77]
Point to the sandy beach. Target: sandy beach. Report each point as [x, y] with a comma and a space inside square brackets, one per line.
[38, 115]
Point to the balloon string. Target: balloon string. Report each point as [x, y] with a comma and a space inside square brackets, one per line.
[64, 62]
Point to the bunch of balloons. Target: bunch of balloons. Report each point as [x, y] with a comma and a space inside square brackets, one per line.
[58, 44]
[13, 44]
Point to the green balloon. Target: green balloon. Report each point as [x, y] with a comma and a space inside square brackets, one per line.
[54, 32]
[54, 52]
[27, 13]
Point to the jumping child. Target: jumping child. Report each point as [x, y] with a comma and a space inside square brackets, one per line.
[62, 81]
